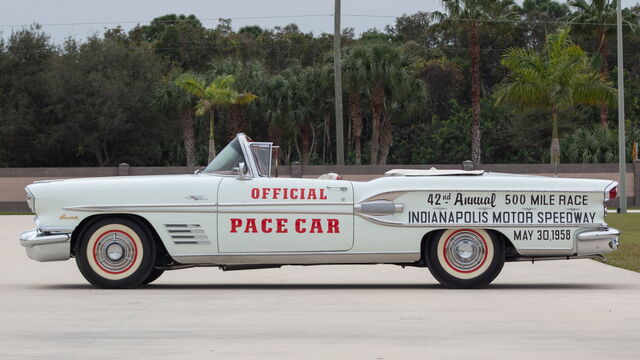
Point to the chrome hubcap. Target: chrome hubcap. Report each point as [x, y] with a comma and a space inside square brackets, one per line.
[465, 251]
[115, 251]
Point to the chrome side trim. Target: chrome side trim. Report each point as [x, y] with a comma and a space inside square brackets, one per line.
[379, 207]
[56, 229]
[282, 203]
[605, 234]
[568, 257]
[205, 208]
[290, 211]
[391, 221]
[300, 258]
[533, 252]
[190, 208]
[394, 194]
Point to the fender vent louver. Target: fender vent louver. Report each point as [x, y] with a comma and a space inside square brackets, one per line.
[184, 234]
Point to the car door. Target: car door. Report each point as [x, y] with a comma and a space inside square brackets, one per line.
[265, 214]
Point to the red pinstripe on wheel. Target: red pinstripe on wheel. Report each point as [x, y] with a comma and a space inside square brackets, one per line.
[444, 251]
[135, 252]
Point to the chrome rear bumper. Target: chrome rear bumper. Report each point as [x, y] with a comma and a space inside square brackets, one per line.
[46, 247]
[598, 242]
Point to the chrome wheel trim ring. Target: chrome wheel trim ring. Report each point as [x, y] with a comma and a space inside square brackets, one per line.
[113, 238]
[464, 252]
[115, 251]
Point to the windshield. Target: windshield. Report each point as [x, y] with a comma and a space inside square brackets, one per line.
[229, 158]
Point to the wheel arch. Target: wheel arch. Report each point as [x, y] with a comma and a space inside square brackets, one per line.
[140, 220]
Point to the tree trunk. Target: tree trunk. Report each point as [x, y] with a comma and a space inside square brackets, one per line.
[554, 123]
[305, 139]
[212, 132]
[602, 49]
[356, 124]
[236, 122]
[377, 104]
[474, 50]
[386, 139]
[186, 123]
[275, 134]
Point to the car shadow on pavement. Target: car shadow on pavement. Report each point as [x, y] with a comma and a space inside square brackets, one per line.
[346, 286]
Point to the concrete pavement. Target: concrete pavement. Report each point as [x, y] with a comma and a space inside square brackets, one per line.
[557, 309]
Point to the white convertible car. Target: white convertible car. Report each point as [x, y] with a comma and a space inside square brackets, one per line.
[462, 225]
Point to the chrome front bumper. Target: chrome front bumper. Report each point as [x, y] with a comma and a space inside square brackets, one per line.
[599, 241]
[46, 247]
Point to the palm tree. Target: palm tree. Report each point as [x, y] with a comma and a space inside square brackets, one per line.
[303, 104]
[169, 97]
[472, 14]
[556, 79]
[353, 80]
[249, 75]
[217, 94]
[598, 16]
[385, 69]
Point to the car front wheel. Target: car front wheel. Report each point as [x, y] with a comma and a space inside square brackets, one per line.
[115, 253]
[465, 258]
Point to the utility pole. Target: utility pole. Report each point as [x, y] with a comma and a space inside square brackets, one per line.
[622, 186]
[337, 74]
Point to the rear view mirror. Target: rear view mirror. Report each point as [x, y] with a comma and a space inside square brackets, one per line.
[242, 171]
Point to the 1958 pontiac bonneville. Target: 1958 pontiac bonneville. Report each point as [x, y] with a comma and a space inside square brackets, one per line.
[462, 225]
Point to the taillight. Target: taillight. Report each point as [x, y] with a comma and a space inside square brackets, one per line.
[613, 193]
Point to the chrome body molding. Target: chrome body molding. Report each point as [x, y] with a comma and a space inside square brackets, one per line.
[600, 234]
[189, 208]
[563, 257]
[394, 194]
[598, 241]
[391, 221]
[544, 252]
[52, 228]
[379, 207]
[46, 247]
[311, 212]
[300, 258]
[283, 203]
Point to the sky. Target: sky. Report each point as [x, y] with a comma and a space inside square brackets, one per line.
[57, 15]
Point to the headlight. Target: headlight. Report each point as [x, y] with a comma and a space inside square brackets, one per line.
[31, 200]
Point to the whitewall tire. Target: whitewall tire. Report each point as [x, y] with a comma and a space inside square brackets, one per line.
[465, 258]
[115, 253]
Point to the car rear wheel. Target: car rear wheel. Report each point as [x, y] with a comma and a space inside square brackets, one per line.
[115, 253]
[465, 258]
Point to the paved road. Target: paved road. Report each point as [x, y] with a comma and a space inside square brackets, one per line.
[576, 309]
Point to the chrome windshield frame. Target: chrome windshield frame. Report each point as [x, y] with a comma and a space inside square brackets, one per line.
[249, 160]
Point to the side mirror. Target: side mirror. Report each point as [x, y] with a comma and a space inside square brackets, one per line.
[242, 171]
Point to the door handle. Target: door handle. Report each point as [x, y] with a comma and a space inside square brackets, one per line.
[341, 188]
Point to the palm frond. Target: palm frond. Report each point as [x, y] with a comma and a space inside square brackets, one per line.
[192, 84]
